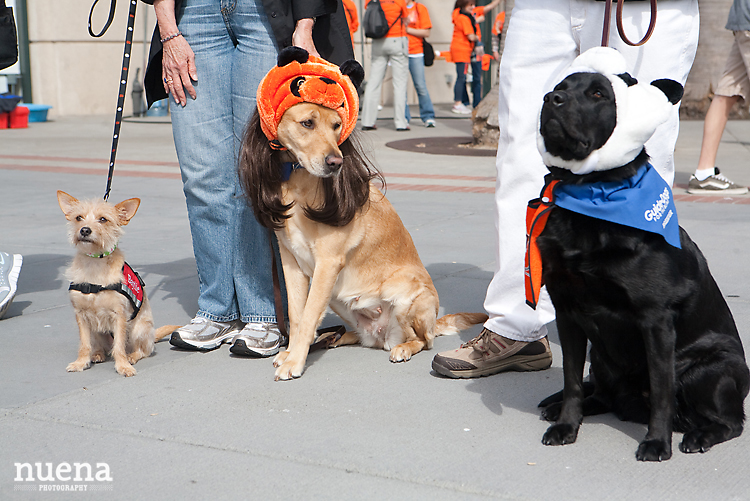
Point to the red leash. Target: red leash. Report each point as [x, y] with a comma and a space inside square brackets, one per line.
[620, 28]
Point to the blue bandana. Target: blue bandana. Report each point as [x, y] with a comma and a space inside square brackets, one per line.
[643, 201]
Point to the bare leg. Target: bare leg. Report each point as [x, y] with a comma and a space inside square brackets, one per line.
[713, 128]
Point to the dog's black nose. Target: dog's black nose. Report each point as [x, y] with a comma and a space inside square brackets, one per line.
[556, 98]
[85, 231]
[334, 161]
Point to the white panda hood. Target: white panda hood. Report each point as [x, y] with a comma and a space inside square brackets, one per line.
[641, 108]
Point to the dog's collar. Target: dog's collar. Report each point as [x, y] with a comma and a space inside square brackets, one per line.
[103, 254]
[287, 168]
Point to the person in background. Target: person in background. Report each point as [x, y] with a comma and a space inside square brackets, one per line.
[733, 86]
[352, 17]
[497, 30]
[467, 50]
[210, 60]
[393, 49]
[417, 29]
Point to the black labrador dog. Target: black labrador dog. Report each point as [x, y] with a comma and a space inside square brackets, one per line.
[664, 347]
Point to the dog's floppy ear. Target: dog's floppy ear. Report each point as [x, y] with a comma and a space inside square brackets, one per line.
[291, 54]
[66, 203]
[127, 209]
[673, 90]
[354, 71]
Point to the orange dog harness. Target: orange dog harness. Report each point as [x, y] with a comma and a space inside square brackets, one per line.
[537, 213]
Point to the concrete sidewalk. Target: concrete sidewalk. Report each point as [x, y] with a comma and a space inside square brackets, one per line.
[355, 426]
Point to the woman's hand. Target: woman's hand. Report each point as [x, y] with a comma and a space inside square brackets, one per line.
[178, 69]
[178, 61]
[302, 36]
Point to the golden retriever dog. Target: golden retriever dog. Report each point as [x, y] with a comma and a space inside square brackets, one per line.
[342, 244]
[112, 311]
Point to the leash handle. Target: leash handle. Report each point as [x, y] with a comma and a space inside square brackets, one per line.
[111, 17]
[123, 79]
[607, 17]
[621, 28]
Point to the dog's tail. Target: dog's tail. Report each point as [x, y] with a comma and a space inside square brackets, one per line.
[164, 331]
[453, 324]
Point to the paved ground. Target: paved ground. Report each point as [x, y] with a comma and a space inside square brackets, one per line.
[215, 426]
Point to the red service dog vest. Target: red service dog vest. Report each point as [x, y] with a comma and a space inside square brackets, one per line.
[131, 287]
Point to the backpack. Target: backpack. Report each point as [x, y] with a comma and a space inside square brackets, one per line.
[429, 53]
[374, 21]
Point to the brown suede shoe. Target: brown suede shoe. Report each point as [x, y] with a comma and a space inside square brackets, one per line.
[490, 353]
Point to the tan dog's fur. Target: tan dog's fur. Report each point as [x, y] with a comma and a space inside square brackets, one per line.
[104, 324]
[367, 271]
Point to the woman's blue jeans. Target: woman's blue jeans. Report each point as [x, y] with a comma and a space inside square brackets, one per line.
[459, 91]
[234, 48]
[416, 68]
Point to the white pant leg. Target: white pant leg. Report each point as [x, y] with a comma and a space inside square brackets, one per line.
[378, 65]
[543, 37]
[539, 45]
[399, 55]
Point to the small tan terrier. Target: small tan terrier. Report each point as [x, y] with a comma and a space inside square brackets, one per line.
[112, 311]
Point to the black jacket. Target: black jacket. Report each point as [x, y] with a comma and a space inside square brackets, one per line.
[331, 35]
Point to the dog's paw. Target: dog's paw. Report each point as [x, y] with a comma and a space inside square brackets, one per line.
[552, 411]
[98, 357]
[289, 370]
[126, 370]
[135, 356]
[696, 441]
[654, 450]
[400, 353]
[280, 358]
[560, 434]
[78, 366]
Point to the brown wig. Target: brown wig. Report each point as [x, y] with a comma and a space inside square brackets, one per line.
[344, 194]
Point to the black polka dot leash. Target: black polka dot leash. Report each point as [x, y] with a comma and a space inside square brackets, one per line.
[123, 78]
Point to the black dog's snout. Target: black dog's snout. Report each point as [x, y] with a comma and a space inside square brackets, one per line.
[85, 231]
[556, 98]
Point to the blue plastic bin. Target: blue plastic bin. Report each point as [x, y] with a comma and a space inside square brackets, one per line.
[37, 112]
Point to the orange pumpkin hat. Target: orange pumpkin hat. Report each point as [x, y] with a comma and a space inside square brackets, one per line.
[300, 77]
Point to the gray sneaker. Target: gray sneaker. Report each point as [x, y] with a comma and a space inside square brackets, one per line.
[10, 268]
[490, 353]
[204, 334]
[715, 184]
[258, 339]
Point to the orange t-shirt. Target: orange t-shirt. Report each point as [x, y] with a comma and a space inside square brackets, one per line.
[478, 12]
[461, 46]
[497, 26]
[352, 19]
[392, 8]
[421, 22]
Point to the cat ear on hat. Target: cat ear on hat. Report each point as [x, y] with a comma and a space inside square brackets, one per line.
[354, 71]
[628, 79]
[291, 54]
[673, 90]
